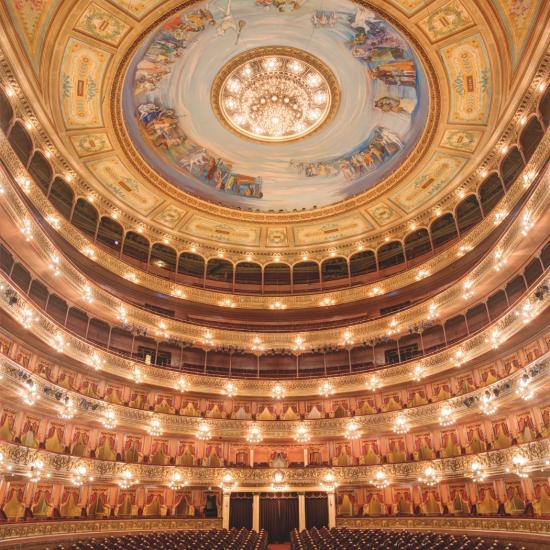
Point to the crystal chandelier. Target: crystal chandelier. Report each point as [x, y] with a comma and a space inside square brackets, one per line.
[352, 431]
[278, 483]
[59, 343]
[254, 434]
[274, 94]
[28, 318]
[373, 383]
[68, 409]
[329, 483]
[487, 404]
[523, 389]
[182, 384]
[80, 476]
[126, 479]
[36, 471]
[30, 394]
[109, 419]
[177, 481]
[137, 375]
[519, 463]
[96, 361]
[204, 432]
[446, 416]
[230, 389]
[477, 472]
[380, 479]
[326, 389]
[278, 391]
[228, 482]
[429, 477]
[401, 425]
[302, 433]
[155, 427]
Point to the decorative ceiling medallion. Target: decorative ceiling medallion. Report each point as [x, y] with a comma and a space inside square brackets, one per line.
[275, 94]
[367, 123]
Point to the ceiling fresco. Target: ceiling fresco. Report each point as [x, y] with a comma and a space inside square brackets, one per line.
[379, 80]
[421, 87]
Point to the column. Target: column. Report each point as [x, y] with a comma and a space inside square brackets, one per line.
[301, 511]
[256, 512]
[251, 457]
[306, 457]
[331, 499]
[225, 509]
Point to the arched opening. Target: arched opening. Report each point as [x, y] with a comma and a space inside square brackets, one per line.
[497, 304]
[362, 263]
[62, 197]
[249, 273]
[277, 277]
[163, 257]
[417, 244]
[41, 171]
[530, 137]
[304, 274]
[110, 233]
[456, 329]
[38, 293]
[136, 246]
[477, 317]
[21, 277]
[21, 142]
[544, 107]
[98, 332]
[57, 308]
[443, 230]
[6, 111]
[511, 167]
[77, 321]
[468, 213]
[515, 289]
[545, 255]
[219, 270]
[490, 193]
[334, 268]
[533, 271]
[85, 217]
[390, 254]
[191, 265]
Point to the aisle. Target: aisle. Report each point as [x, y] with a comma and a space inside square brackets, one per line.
[285, 546]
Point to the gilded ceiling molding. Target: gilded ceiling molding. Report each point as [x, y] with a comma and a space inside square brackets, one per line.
[163, 232]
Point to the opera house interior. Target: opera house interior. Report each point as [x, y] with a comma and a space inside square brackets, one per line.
[192, 357]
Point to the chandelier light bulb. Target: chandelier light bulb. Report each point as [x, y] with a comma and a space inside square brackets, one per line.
[401, 425]
[523, 389]
[352, 431]
[228, 482]
[278, 392]
[230, 389]
[329, 483]
[109, 419]
[487, 404]
[182, 385]
[326, 389]
[478, 474]
[204, 433]
[429, 477]
[278, 483]
[155, 427]
[373, 383]
[254, 435]
[68, 409]
[126, 479]
[302, 433]
[177, 481]
[380, 479]
[446, 416]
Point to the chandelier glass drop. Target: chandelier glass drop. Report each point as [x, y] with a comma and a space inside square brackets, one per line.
[274, 94]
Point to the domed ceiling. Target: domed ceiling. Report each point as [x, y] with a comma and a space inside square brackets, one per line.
[339, 69]
[274, 126]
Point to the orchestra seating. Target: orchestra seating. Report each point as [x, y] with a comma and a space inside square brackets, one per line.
[376, 539]
[213, 539]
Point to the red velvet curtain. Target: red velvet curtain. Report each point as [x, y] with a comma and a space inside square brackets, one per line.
[240, 511]
[279, 516]
[316, 511]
